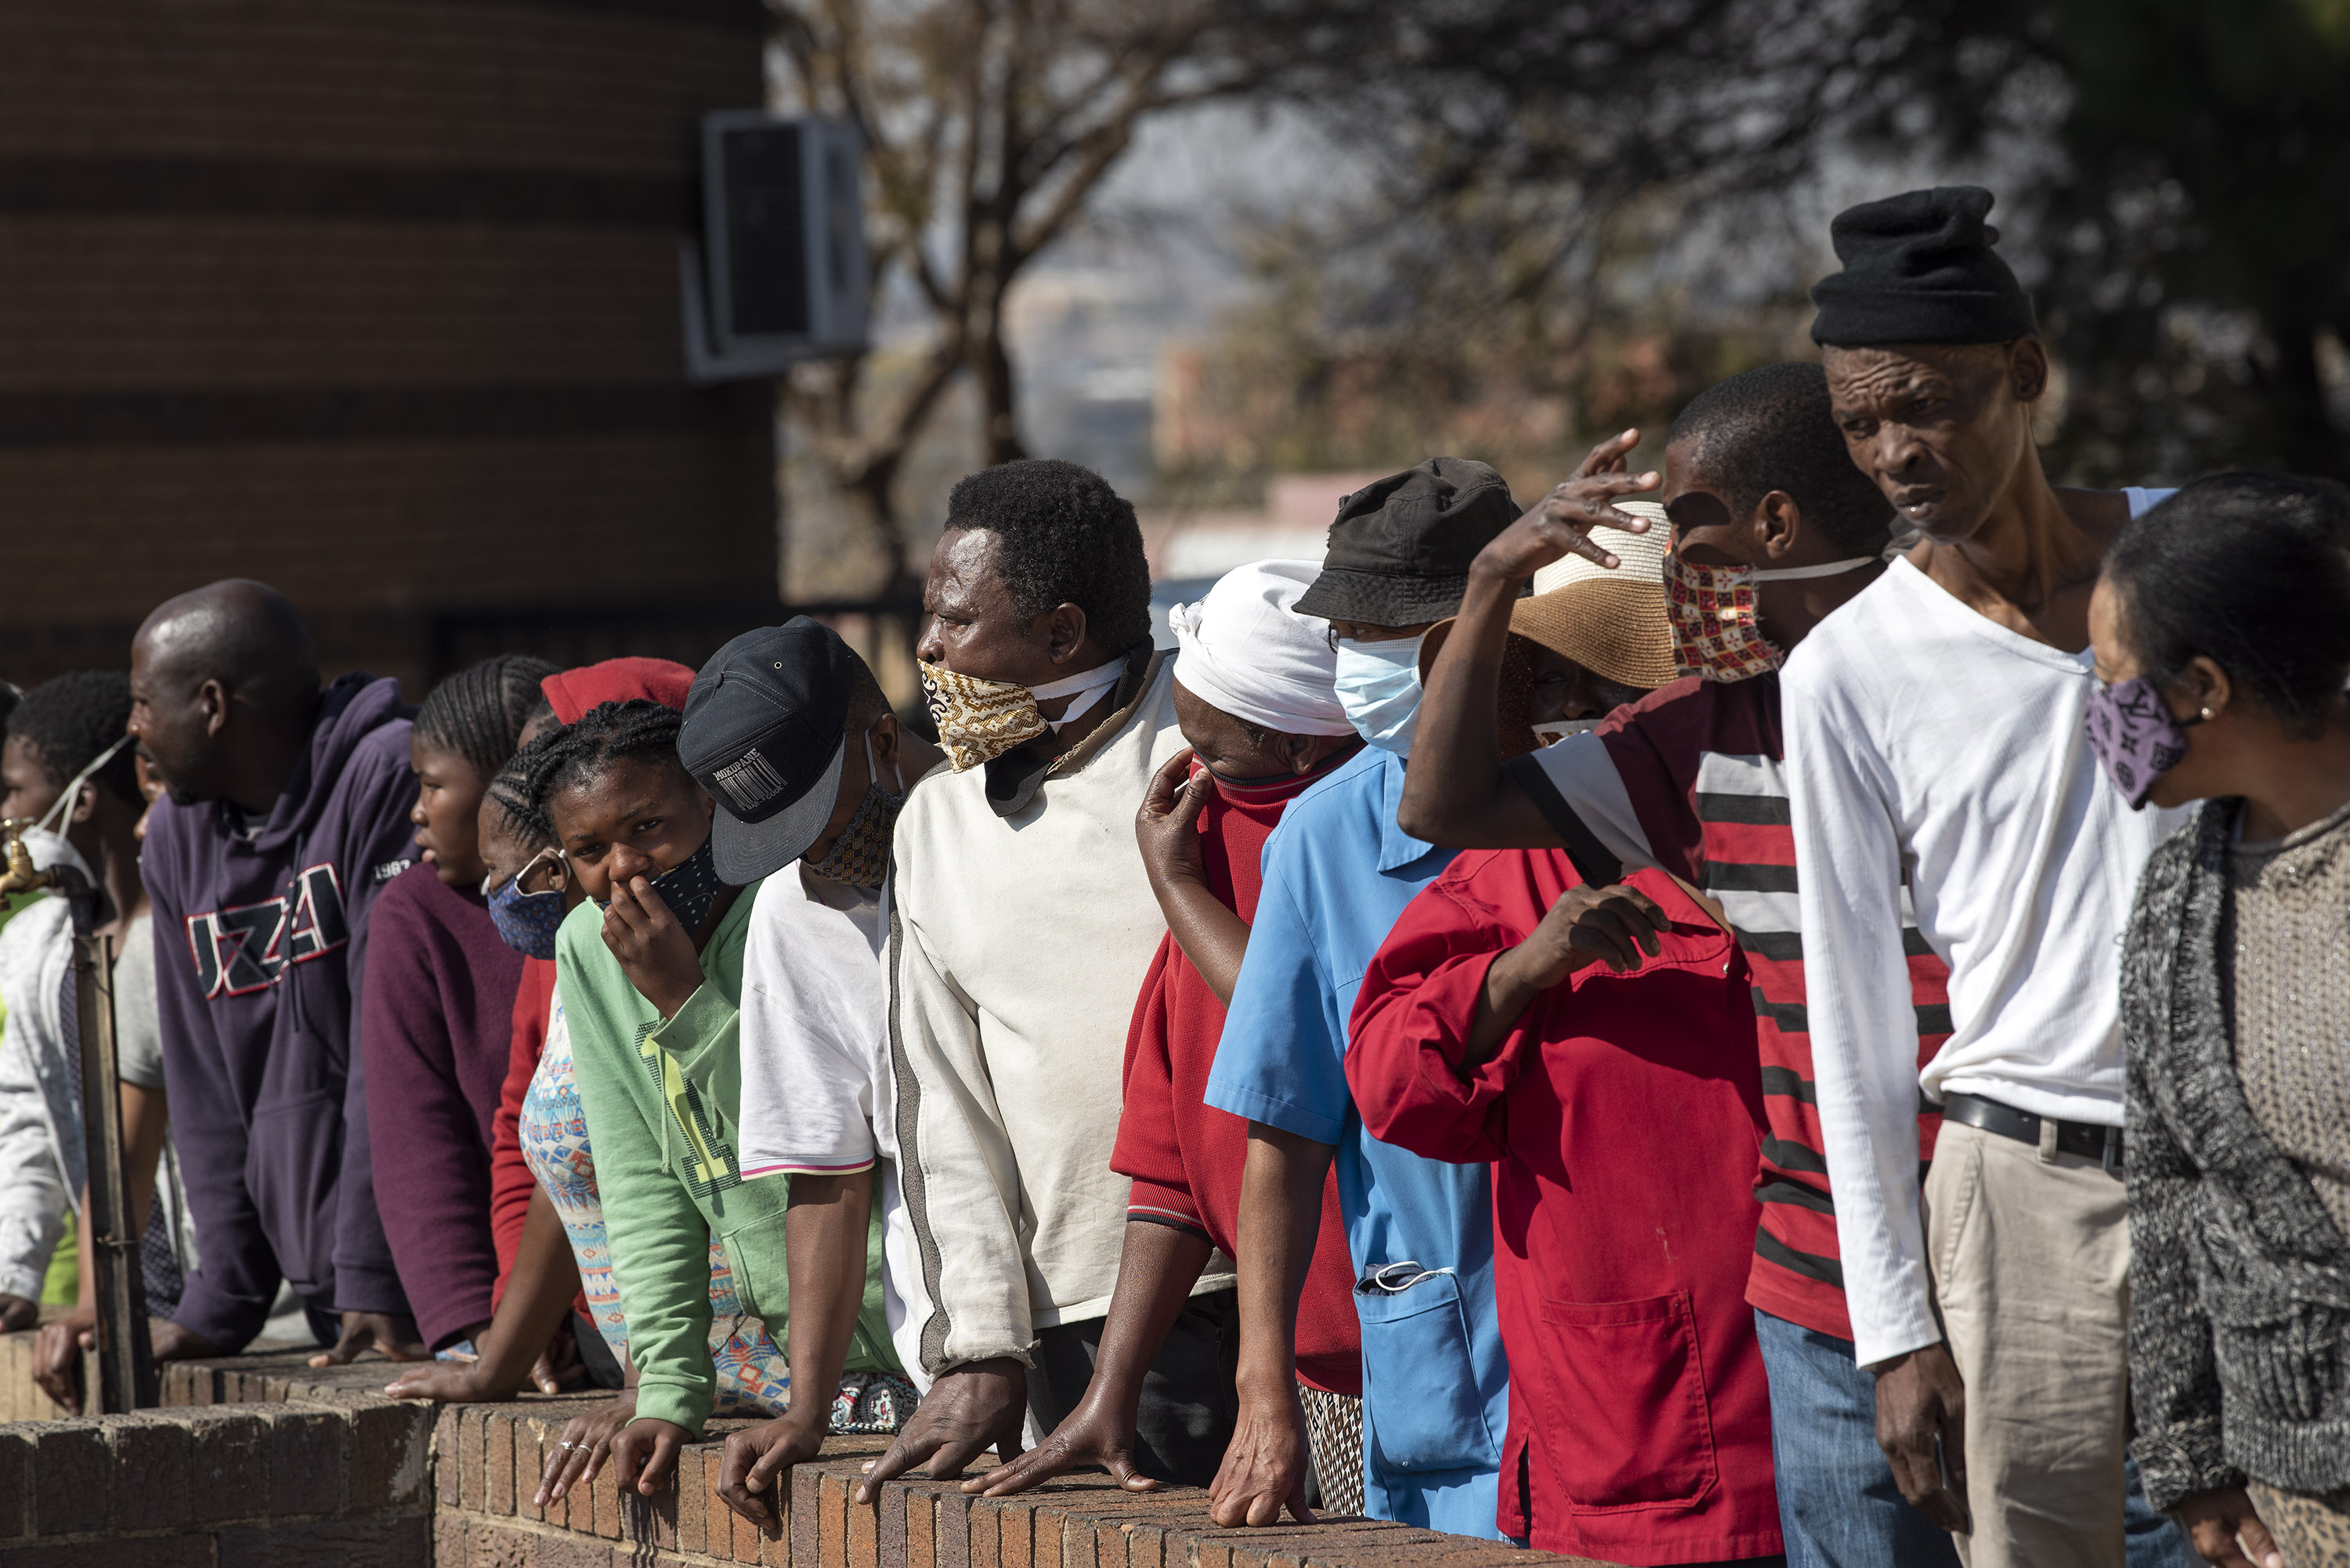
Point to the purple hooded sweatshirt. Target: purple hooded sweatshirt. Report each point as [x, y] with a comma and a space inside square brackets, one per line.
[438, 1016]
[260, 941]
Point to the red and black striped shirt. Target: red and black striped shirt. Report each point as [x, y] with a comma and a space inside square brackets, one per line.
[1693, 779]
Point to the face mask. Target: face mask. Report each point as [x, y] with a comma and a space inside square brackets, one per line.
[1378, 686]
[861, 855]
[979, 721]
[688, 887]
[2136, 736]
[1558, 730]
[1713, 614]
[526, 922]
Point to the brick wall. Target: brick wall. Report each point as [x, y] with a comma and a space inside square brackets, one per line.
[375, 299]
[259, 1457]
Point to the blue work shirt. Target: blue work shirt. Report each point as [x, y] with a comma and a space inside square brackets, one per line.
[1338, 872]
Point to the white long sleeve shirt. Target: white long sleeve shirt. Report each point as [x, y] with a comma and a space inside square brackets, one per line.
[1924, 738]
[1017, 944]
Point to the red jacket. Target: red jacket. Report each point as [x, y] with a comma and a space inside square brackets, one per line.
[1185, 1156]
[1622, 1116]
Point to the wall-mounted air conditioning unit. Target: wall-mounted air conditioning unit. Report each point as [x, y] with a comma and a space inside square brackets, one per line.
[778, 275]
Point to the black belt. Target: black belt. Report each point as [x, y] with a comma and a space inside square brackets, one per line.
[2087, 1139]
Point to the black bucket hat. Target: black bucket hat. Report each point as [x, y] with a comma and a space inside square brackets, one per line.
[765, 731]
[1400, 549]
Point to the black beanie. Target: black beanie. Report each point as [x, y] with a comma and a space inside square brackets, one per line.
[1918, 268]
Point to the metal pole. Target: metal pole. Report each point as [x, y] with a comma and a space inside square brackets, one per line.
[126, 1356]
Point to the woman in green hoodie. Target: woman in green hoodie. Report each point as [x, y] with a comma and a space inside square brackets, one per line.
[651, 971]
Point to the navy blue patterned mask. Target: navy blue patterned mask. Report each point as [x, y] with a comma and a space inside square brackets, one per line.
[688, 887]
[528, 921]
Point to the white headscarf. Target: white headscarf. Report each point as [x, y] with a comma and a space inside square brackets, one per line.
[1246, 650]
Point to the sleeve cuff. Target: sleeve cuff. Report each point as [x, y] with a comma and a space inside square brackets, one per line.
[685, 1405]
[1272, 1113]
[226, 1324]
[705, 1013]
[2180, 1462]
[369, 1287]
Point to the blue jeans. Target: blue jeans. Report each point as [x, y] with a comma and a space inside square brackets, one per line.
[1838, 1506]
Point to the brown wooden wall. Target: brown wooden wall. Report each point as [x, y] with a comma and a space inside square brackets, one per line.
[375, 300]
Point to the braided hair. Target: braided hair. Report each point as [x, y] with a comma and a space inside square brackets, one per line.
[478, 713]
[606, 734]
[67, 722]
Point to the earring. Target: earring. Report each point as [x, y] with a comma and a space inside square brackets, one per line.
[2207, 715]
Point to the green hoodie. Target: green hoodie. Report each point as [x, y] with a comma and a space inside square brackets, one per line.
[661, 1102]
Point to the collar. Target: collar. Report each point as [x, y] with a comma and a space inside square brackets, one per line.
[1013, 778]
[1396, 848]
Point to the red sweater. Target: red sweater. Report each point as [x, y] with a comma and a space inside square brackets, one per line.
[1185, 1156]
[511, 1182]
[1622, 1116]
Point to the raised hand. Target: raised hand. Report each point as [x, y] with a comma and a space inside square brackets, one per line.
[1168, 826]
[1560, 523]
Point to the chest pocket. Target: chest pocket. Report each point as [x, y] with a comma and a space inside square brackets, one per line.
[1422, 1409]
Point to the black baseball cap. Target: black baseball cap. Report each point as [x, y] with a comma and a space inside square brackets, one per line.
[765, 731]
[1399, 552]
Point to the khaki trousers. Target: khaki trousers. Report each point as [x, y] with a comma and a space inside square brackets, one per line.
[2031, 1264]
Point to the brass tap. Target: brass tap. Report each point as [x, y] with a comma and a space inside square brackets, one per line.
[22, 876]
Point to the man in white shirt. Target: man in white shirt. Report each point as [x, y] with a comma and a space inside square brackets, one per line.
[790, 734]
[1021, 925]
[1934, 730]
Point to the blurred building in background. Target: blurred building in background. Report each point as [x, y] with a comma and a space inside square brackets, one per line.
[377, 301]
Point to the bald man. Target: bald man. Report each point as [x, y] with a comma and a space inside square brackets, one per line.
[286, 813]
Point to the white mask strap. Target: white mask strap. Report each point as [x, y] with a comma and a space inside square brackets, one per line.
[61, 810]
[1829, 569]
[1079, 689]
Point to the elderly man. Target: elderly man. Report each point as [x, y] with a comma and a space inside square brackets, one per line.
[1934, 733]
[1021, 925]
[286, 814]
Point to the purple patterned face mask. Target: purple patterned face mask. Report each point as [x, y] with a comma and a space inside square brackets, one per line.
[2136, 736]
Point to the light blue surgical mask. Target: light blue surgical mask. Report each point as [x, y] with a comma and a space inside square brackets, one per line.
[1378, 686]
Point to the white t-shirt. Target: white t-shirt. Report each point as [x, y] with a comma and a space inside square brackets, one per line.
[1923, 735]
[815, 1065]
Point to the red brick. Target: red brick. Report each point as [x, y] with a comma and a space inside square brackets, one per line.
[472, 1466]
[498, 1458]
[228, 1466]
[155, 1551]
[495, 1543]
[1016, 1522]
[150, 1473]
[891, 1526]
[918, 1517]
[306, 1461]
[864, 1549]
[16, 1481]
[398, 1543]
[73, 1479]
[392, 1451]
[807, 1507]
[575, 1552]
[446, 1463]
[449, 1542]
[951, 1527]
[832, 1519]
[603, 1517]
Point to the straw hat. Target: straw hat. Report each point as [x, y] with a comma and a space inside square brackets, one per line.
[1611, 621]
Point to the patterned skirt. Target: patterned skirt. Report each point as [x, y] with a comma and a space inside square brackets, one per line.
[1334, 1430]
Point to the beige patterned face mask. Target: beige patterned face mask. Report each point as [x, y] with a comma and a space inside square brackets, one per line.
[979, 721]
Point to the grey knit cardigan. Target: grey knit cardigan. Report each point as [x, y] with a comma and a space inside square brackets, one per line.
[2240, 1280]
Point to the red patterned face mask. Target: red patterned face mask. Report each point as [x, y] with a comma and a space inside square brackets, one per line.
[1715, 630]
